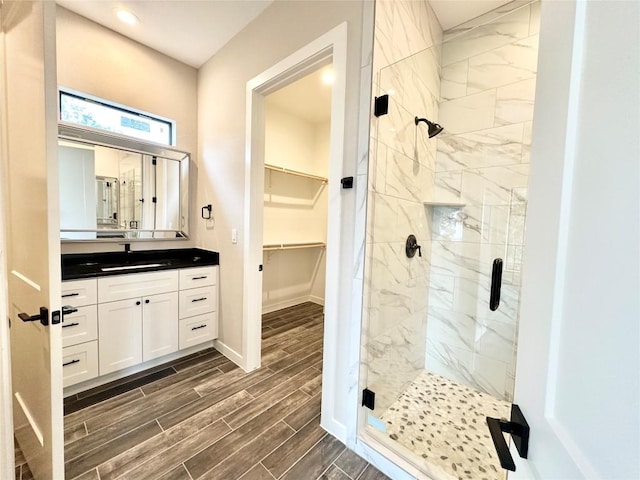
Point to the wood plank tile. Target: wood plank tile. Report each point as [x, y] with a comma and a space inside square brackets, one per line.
[216, 453]
[178, 473]
[351, 464]
[242, 460]
[334, 473]
[259, 405]
[74, 433]
[313, 386]
[309, 354]
[138, 417]
[305, 414]
[143, 409]
[159, 465]
[317, 460]
[372, 473]
[188, 409]
[87, 401]
[95, 457]
[184, 378]
[157, 445]
[228, 367]
[73, 419]
[287, 454]
[257, 473]
[90, 475]
[233, 377]
[282, 376]
[25, 472]
[206, 356]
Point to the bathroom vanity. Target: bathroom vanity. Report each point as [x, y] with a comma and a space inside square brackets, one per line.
[128, 311]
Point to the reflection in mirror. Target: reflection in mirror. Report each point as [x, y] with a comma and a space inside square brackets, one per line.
[117, 193]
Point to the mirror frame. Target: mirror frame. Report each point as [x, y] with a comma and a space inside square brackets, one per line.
[90, 136]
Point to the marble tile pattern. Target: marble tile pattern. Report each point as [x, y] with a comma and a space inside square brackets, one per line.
[443, 422]
[406, 66]
[482, 160]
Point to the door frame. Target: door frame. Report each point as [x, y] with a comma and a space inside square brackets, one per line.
[7, 461]
[332, 46]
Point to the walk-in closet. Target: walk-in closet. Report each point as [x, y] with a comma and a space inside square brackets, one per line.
[297, 127]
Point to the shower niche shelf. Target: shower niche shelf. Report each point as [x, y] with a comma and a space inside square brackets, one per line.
[444, 204]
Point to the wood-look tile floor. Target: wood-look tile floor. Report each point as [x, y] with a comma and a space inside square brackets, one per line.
[202, 417]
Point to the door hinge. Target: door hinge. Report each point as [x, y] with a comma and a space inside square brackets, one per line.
[154, 160]
[154, 199]
[381, 105]
[347, 182]
[368, 399]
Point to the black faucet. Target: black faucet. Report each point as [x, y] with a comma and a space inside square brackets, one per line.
[127, 247]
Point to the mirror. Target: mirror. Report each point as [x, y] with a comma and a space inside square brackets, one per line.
[113, 187]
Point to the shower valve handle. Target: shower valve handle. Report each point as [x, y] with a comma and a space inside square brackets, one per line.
[411, 246]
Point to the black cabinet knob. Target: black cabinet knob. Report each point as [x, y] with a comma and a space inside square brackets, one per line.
[138, 302]
[146, 301]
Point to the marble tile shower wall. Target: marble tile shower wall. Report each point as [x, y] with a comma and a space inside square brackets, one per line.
[401, 175]
[487, 90]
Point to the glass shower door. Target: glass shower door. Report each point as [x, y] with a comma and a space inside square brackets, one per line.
[439, 348]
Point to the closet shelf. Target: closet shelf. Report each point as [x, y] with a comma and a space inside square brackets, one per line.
[444, 204]
[296, 173]
[293, 246]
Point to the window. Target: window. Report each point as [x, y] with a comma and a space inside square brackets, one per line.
[94, 112]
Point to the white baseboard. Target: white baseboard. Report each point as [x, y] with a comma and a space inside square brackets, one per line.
[272, 307]
[230, 353]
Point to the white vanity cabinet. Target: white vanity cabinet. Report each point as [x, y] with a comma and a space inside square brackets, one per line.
[138, 320]
[125, 320]
[198, 305]
[80, 332]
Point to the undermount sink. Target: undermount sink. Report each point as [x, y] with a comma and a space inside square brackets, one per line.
[132, 267]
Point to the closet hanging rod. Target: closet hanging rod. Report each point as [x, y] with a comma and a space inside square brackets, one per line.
[293, 246]
[294, 172]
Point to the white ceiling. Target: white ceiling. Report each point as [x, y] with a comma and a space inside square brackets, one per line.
[308, 98]
[190, 31]
[451, 13]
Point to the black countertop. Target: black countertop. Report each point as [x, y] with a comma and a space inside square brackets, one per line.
[88, 265]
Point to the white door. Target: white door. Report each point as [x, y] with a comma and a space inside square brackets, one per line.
[159, 325]
[119, 334]
[577, 380]
[32, 222]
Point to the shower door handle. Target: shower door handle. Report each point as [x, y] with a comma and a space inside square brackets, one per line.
[518, 428]
[496, 284]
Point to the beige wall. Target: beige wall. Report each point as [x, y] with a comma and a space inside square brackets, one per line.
[98, 61]
[279, 31]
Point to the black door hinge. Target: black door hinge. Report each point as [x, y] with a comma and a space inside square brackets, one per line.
[259, 268]
[154, 199]
[368, 399]
[347, 182]
[381, 105]
[154, 160]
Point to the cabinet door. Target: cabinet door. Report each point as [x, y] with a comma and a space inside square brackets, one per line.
[159, 325]
[119, 334]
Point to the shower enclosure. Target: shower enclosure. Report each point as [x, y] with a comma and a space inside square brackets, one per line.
[439, 334]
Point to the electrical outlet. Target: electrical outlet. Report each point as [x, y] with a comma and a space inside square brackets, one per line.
[234, 235]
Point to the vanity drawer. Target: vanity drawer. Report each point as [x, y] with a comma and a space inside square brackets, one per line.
[81, 326]
[197, 301]
[79, 363]
[78, 293]
[121, 287]
[198, 277]
[198, 329]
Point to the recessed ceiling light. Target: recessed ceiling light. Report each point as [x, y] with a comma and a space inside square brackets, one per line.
[328, 77]
[127, 17]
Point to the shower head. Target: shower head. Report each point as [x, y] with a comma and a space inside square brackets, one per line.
[434, 128]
